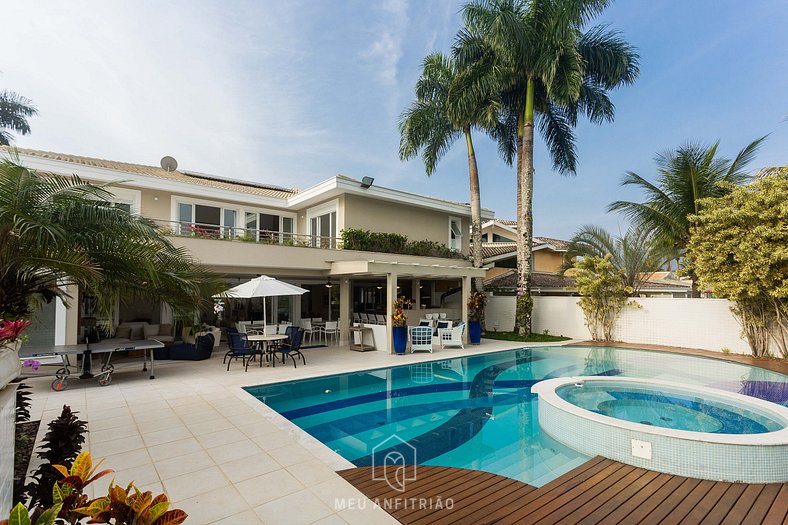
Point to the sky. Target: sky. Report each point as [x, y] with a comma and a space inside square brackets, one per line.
[291, 93]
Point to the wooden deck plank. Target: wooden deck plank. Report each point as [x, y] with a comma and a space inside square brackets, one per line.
[599, 492]
[726, 503]
[699, 512]
[761, 506]
[742, 507]
[778, 512]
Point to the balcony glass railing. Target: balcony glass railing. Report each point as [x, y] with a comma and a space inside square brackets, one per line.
[214, 231]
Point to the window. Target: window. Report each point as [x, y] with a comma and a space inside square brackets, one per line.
[500, 238]
[185, 218]
[323, 229]
[287, 229]
[229, 231]
[455, 234]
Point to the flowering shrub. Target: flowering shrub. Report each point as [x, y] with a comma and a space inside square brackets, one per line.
[476, 306]
[11, 331]
[398, 318]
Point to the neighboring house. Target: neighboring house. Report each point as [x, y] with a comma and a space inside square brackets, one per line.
[499, 250]
[242, 229]
[659, 285]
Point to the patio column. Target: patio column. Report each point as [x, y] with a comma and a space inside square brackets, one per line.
[415, 293]
[345, 316]
[391, 297]
[466, 295]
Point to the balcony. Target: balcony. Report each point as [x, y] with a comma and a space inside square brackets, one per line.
[355, 240]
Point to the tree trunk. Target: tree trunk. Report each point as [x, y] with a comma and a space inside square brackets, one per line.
[525, 218]
[476, 209]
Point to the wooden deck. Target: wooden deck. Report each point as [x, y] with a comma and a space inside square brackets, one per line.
[600, 491]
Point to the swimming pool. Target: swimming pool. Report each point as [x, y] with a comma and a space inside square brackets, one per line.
[478, 412]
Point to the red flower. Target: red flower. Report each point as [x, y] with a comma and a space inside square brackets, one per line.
[10, 331]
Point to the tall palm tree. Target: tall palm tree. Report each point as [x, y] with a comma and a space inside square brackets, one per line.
[432, 123]
[57, 231]
[692, 172]
[547, 71]
[638, 253]
[14, 112]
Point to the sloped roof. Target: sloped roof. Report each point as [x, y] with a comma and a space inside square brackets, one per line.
[264, 190]
[496, 249]
[508, 279]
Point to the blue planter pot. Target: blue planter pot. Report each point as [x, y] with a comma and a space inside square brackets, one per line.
[475, 332]
[400, 336]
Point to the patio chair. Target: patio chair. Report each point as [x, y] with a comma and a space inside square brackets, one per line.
[309, 330]
[356, 317]
[283, 328]
[270, 329]
[240, 349]
[441, 325]
[292, 347]
[380, 318]
[452, 336]
[421, 339]
[364, 317]
[317, 319]
[331, 329]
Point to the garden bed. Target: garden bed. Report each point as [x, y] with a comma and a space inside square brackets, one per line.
[23, 451]
[532, 338]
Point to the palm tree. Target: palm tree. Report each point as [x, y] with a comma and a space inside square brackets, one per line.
[432, 123]
[637, 254]
[14, 112]
[58, 231]
[684, 176]
[546, 71]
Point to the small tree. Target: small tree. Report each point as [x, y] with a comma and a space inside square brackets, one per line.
[603, 294]
[739, 248]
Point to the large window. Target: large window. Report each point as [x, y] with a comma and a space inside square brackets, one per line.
[455, 234]
[323, 230]
[229, 222]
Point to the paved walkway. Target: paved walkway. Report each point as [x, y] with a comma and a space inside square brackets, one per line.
[217, 452]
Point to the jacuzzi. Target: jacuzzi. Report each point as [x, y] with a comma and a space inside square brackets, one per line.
[684, 430]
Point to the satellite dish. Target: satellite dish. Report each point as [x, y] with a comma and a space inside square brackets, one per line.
[169, 164]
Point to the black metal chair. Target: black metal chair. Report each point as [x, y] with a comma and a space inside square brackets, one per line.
[291, 347]
[240, 349]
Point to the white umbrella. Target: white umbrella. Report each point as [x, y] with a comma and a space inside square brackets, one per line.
[263, 286]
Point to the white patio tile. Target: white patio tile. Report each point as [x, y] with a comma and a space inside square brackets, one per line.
[309, 509]
[195, 483]
[126, 460]
[212, 506]
[98, 436]
[168, 435]
[116, 446]
[223, 437]
[178, 466]
[248, 467]
[111, 422]
[312, 472]
[233, 451]
[368, 515]
[207, 427]
[268, 487]
[174, 449]
[146, 427]
[159, 413]
[290, 454]
[207, 414]
[244, 518]
[333, 519]
[257, 429]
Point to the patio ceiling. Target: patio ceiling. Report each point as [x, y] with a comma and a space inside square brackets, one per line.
[401, 269]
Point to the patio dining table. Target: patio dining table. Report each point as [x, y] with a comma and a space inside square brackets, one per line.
[265, 340]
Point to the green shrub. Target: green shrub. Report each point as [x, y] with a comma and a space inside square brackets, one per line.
[367, 241]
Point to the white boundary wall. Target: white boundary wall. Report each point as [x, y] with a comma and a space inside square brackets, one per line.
[693, 323]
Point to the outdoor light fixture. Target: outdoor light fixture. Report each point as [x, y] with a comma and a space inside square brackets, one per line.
[329, 284]
[366, 182]
[379, 286]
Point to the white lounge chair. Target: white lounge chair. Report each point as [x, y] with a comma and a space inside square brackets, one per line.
[421, 339]
[452, 336]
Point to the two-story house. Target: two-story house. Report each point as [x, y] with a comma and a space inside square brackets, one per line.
[243, 229]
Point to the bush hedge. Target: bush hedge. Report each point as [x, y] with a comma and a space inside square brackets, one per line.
[367, 241]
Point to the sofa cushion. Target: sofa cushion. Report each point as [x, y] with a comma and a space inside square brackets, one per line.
[122, 332]
[150, 330]
[165, 329]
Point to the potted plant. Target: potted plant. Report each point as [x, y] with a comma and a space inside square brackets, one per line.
[475, 315]
[10, 340]
[399, 322]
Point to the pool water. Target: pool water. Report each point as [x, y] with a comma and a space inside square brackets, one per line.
[478, 412]
[675, 410]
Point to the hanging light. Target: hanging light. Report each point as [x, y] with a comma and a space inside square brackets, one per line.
[329, 284]
[379, 286]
